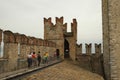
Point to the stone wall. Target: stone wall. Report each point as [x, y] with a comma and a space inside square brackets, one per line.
[90, 61]
[3, 63]
[114, 33]
[72, 39]
[111, 38]
[106, 39]
[18, 46]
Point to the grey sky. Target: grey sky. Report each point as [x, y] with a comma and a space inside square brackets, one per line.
[26, 16]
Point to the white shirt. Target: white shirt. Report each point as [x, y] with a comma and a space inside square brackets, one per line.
[29, 56]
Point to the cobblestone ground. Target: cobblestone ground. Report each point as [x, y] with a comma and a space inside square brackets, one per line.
[64, 71]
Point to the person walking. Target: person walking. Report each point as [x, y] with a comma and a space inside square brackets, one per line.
[47, 56]
[57, 54]
[29, 60]
[34, 59]
[39, 58]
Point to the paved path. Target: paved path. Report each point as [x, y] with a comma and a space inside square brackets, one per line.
[66, 70]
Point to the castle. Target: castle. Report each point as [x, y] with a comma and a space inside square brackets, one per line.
[56, 38]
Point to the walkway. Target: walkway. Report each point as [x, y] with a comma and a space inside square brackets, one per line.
[66, 70]
[10, 75]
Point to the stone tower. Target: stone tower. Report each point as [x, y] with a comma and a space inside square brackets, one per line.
[111, 38]
[65, 41]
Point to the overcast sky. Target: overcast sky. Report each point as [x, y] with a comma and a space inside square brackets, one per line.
[26, 16]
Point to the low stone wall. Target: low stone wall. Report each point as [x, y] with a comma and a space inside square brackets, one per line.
[21, 63]
[92, 63]
[3, 63]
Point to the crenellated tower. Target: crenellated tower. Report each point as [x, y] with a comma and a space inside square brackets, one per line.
[65, 41]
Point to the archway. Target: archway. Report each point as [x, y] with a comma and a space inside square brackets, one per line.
[66, 49]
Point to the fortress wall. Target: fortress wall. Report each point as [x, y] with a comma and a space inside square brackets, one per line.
[18, 46]
[10, 50]
[111, 38]
[91, 61]
[114, 34]
[106, 52]
[3, 62]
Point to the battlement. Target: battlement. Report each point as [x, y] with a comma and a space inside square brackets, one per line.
[10, 37]
[90, 61]
[47, 20]
[74, 22]
[65, 27]
[59, 22]
[88, 49]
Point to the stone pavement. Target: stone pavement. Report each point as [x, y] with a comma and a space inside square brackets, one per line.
[67, 70]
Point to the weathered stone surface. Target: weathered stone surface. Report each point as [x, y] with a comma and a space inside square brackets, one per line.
[111, 38]
[98, 49]
[11, 53]
[17, 37]
[79, 49]
[3, 63]
[32, 40]
[24, 39]
[9, 37]
[88, 48]
[106, 38]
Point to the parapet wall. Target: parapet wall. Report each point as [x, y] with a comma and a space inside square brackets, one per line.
[18, 46]
[88, 49]
[90, 61]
